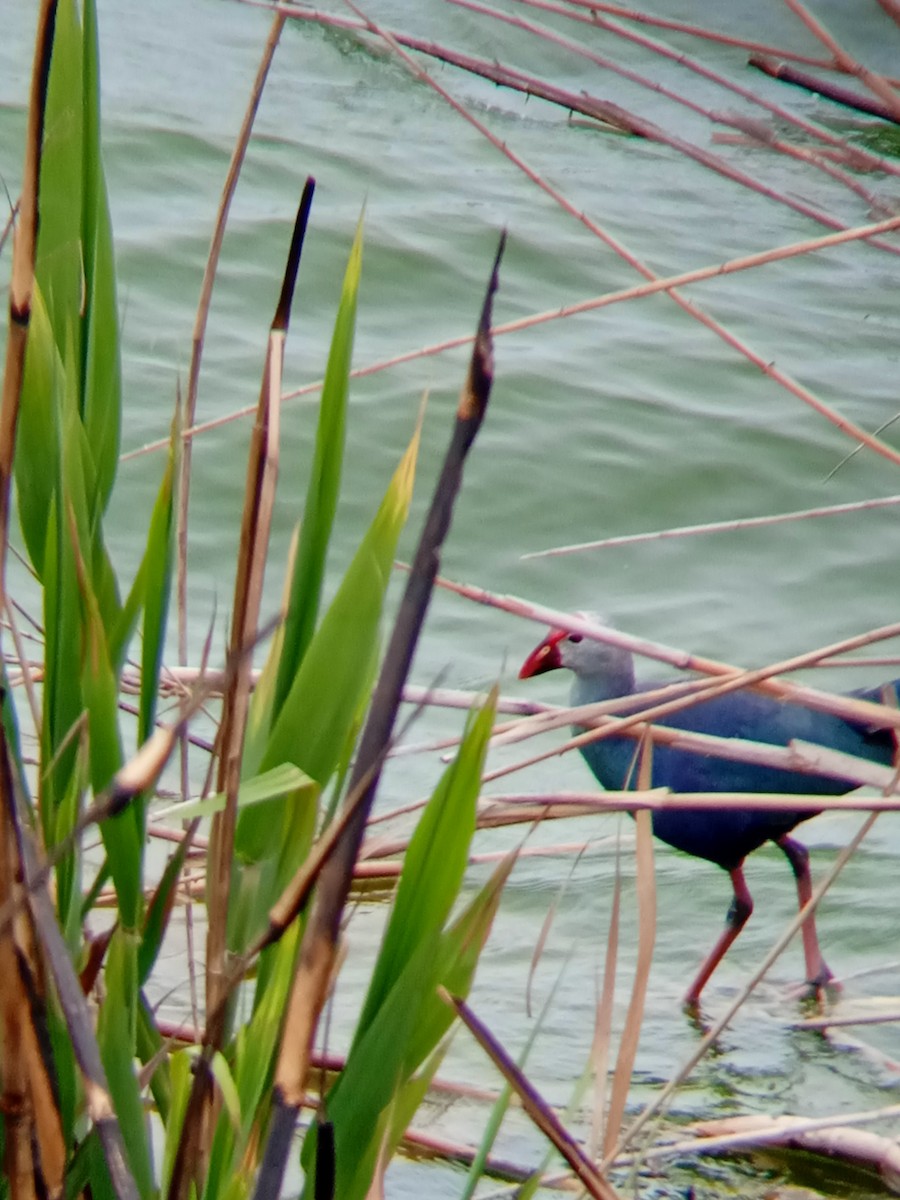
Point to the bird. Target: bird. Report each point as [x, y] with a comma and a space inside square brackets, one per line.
[722, 836]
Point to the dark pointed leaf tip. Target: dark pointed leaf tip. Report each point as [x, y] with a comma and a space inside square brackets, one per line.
[477, 388]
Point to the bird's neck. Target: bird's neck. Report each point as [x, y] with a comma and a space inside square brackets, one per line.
[591, 689]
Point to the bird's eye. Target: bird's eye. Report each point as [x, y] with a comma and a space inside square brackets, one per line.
[575, 637]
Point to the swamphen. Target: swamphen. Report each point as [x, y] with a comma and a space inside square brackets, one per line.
[724, 836]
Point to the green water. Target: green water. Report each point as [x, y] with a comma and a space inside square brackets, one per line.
[633, 418]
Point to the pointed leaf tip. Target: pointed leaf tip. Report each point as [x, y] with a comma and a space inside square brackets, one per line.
[477, 387]
[285, 300]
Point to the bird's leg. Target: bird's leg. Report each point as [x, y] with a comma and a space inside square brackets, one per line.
[738, 916]
[817, 972]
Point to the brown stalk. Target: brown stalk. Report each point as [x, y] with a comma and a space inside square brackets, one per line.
[855, 156]
[762, 129]
[522, 810]
[832, 1138]
[804, 757]
[187, 445]
[737, 525]
[882, 1018]
[200, 321]
[687, 306]
[34, 1145]
[697, 31]
[537, 1108]
[319, 946]
[259, 502]
[861, 159]
[34, 922]
[877, 715]
[602, 1039]
[892, 8]
[500, 808]
[823, 87]
[871, 79]
[619, 248]
[22, 278]
[641, 127]
[653, 286]
[646, 893]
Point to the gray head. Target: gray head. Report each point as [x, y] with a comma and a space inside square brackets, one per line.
[603, 669]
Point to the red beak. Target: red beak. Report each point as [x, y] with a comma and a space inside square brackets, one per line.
[544, 657]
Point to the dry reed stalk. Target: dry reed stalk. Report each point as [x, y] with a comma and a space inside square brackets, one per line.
[804, 757]
[319, 944]
[762, 133]
[238, 155]
[736, 526]
[199, 333]
[646, 894]
[558, 717]
[840, 1022]
[791, 1127]
[833, 1138]
[32, 921]
[882, 716]
[640, 126]
[697, 31]
[601, 1042]
[856, 156]
[876, 83]
[822, 87]
[34, 1151]
[259, 503]
[892, 8]
[22, 275]
[501, 809]
[653, 286]
[534, 1104]
[418, 1146]
[693, 310]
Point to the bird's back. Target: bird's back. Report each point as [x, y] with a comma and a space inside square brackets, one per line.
[727, 836]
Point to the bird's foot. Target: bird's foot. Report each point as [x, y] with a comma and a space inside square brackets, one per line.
[823, 988]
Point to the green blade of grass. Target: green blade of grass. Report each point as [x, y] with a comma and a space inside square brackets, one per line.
[37, 439]
[116, 1037]
[255, 1048]
[59, 252]
[157, 586]
[435, 862]
[311, 729]
[324, 484]
[62, 704]
[101, 371]
[407, 1027]
[271, 785]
